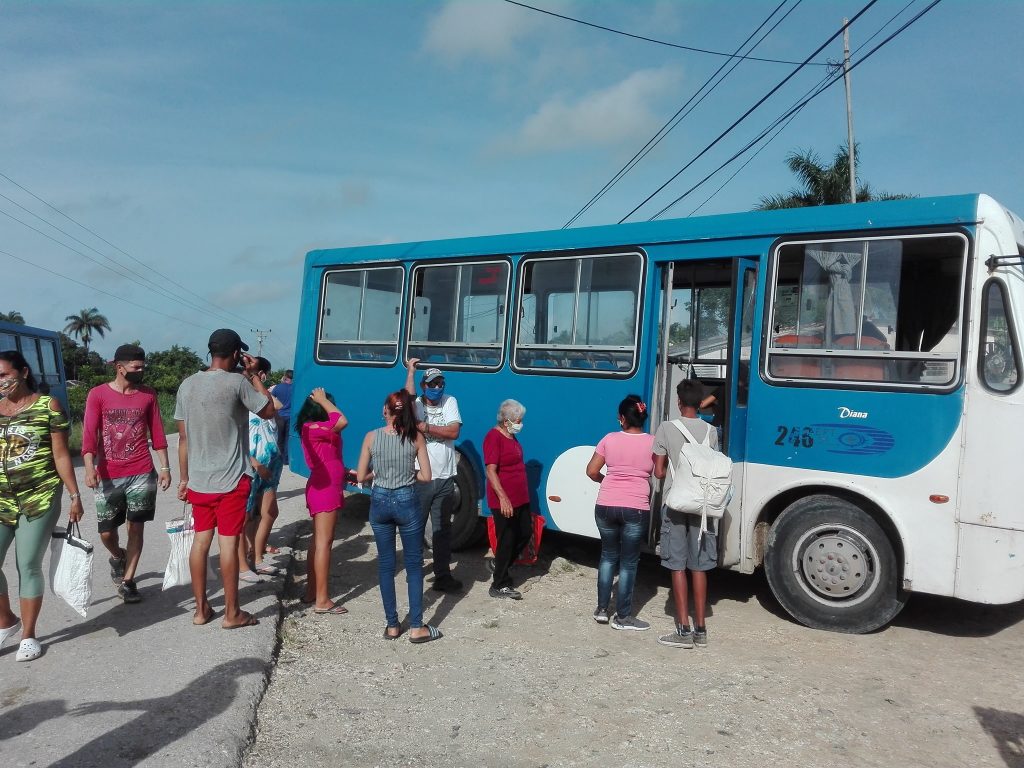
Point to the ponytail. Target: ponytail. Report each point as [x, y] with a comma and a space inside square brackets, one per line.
[400, 405]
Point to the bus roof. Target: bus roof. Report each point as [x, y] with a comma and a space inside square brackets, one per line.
[27, 330]
[914, 212]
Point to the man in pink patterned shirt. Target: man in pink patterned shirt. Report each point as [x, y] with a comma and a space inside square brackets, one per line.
[121, 417]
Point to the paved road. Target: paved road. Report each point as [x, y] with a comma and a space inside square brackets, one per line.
[139, 685]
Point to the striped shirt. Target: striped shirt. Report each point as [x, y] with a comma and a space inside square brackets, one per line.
[393, 460]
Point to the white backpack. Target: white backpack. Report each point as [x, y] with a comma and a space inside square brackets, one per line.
[701, 479]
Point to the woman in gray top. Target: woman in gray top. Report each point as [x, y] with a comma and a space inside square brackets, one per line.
[393, 452]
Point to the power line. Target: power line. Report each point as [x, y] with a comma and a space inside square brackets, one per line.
[795, 111]
[116, 248]
[746, 114]
[100, 290]
[679, 116]
[832, 81]
[653, 40]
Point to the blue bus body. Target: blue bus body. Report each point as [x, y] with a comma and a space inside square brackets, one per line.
[42, 350]
[814, 407]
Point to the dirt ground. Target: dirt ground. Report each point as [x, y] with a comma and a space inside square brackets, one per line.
[539, 683]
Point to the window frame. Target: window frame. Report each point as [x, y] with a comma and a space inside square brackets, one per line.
[638, 315]
[331, 270]
[1011, 328]
[767, 350]
[501, 346]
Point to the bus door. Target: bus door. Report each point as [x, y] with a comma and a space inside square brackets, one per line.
[741, 338]
[697, 312]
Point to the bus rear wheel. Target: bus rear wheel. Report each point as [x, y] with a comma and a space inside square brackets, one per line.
[467, 525]
[832, 567]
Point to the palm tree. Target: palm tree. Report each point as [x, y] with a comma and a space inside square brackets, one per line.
[85, 323]
[822, 184]
[14, 316]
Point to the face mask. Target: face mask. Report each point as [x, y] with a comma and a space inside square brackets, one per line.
[134, 377]
[7, 385]
[513, 427]
[433, 393]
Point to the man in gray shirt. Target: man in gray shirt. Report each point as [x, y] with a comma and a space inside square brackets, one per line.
[212, 412]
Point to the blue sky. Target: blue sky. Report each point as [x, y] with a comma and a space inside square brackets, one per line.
[218, 142]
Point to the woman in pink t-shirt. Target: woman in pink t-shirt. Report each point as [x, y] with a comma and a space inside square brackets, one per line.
[623, 509]
[319, 424]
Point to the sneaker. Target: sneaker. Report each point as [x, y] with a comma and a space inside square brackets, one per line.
[681, 638]
[446, 583]
[601, 615]
[505, 592]
[629, 622]
[700, 637]
[117, 565]
[128, 592]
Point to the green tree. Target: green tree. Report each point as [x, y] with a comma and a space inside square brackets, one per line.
[167, 369]
[14, 316]
[823, 184]
[85, 324]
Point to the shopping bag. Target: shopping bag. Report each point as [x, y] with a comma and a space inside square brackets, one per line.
[71, 568]
[531, 551]
[182, 533]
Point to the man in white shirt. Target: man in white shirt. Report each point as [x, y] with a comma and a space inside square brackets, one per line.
[438, 418]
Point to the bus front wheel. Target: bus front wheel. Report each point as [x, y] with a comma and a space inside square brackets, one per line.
[831, 566]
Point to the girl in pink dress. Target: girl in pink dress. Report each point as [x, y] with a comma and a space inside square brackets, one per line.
[319, 424]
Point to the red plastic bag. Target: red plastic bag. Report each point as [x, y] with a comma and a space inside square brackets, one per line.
[531, 551]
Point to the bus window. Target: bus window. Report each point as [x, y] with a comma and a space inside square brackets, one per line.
[48, 357]
[579, 313]
[360, 314]
[8, 343]
[457, 314]
[1000, 356]
[883, 310]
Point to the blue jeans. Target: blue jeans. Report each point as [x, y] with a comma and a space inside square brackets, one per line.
[392, 509]
[622, 532]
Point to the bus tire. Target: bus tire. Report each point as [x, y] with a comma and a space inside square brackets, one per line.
[832, 567]
[467, 525]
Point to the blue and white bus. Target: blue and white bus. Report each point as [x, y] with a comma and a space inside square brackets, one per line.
[868, 357]
[42, 351]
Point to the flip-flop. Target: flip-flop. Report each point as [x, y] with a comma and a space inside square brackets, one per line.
[392, 637]
[435, 634]
[248, 621]
[29, 649]
[208, 617]
[9, 632]
[265, 569]
[335, 610]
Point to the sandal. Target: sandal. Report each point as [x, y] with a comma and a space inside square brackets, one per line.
[265, 569]
[272, 550]
[392, 637]
[8, 632]
[335, 610]
[29, 649]
[435, 634]
[248, 620]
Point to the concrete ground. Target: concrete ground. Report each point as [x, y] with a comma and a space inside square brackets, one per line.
[139, 685]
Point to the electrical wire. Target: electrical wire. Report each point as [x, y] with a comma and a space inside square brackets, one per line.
[657, 42]
[798, 109]
[225, 312]
[120, 299]
[679, 116]
[746, 114]
[834, 79]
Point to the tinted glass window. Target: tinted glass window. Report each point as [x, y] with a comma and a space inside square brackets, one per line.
[998, 343]
[360, 315]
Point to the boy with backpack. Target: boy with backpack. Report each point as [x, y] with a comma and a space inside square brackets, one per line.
[684, 546]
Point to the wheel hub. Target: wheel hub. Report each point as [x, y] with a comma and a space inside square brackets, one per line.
[836, 565]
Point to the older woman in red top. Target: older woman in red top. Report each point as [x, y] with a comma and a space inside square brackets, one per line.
[508, 495]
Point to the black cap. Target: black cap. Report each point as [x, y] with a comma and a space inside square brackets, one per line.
[128, 352]
[224, 341]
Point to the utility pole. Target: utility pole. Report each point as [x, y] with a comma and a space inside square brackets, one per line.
[849, 111]
[261, 336]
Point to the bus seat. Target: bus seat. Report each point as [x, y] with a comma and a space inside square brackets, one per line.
[797, 367]
[860, 370]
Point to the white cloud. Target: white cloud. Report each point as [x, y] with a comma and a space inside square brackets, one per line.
[607, 116]
[466, 28]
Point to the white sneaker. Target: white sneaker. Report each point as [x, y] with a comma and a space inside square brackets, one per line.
[29, 649]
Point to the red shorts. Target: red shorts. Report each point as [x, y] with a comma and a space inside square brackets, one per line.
[223, 511]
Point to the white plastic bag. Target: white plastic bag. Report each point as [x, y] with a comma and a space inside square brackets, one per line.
[182, 533]
[71, 568]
